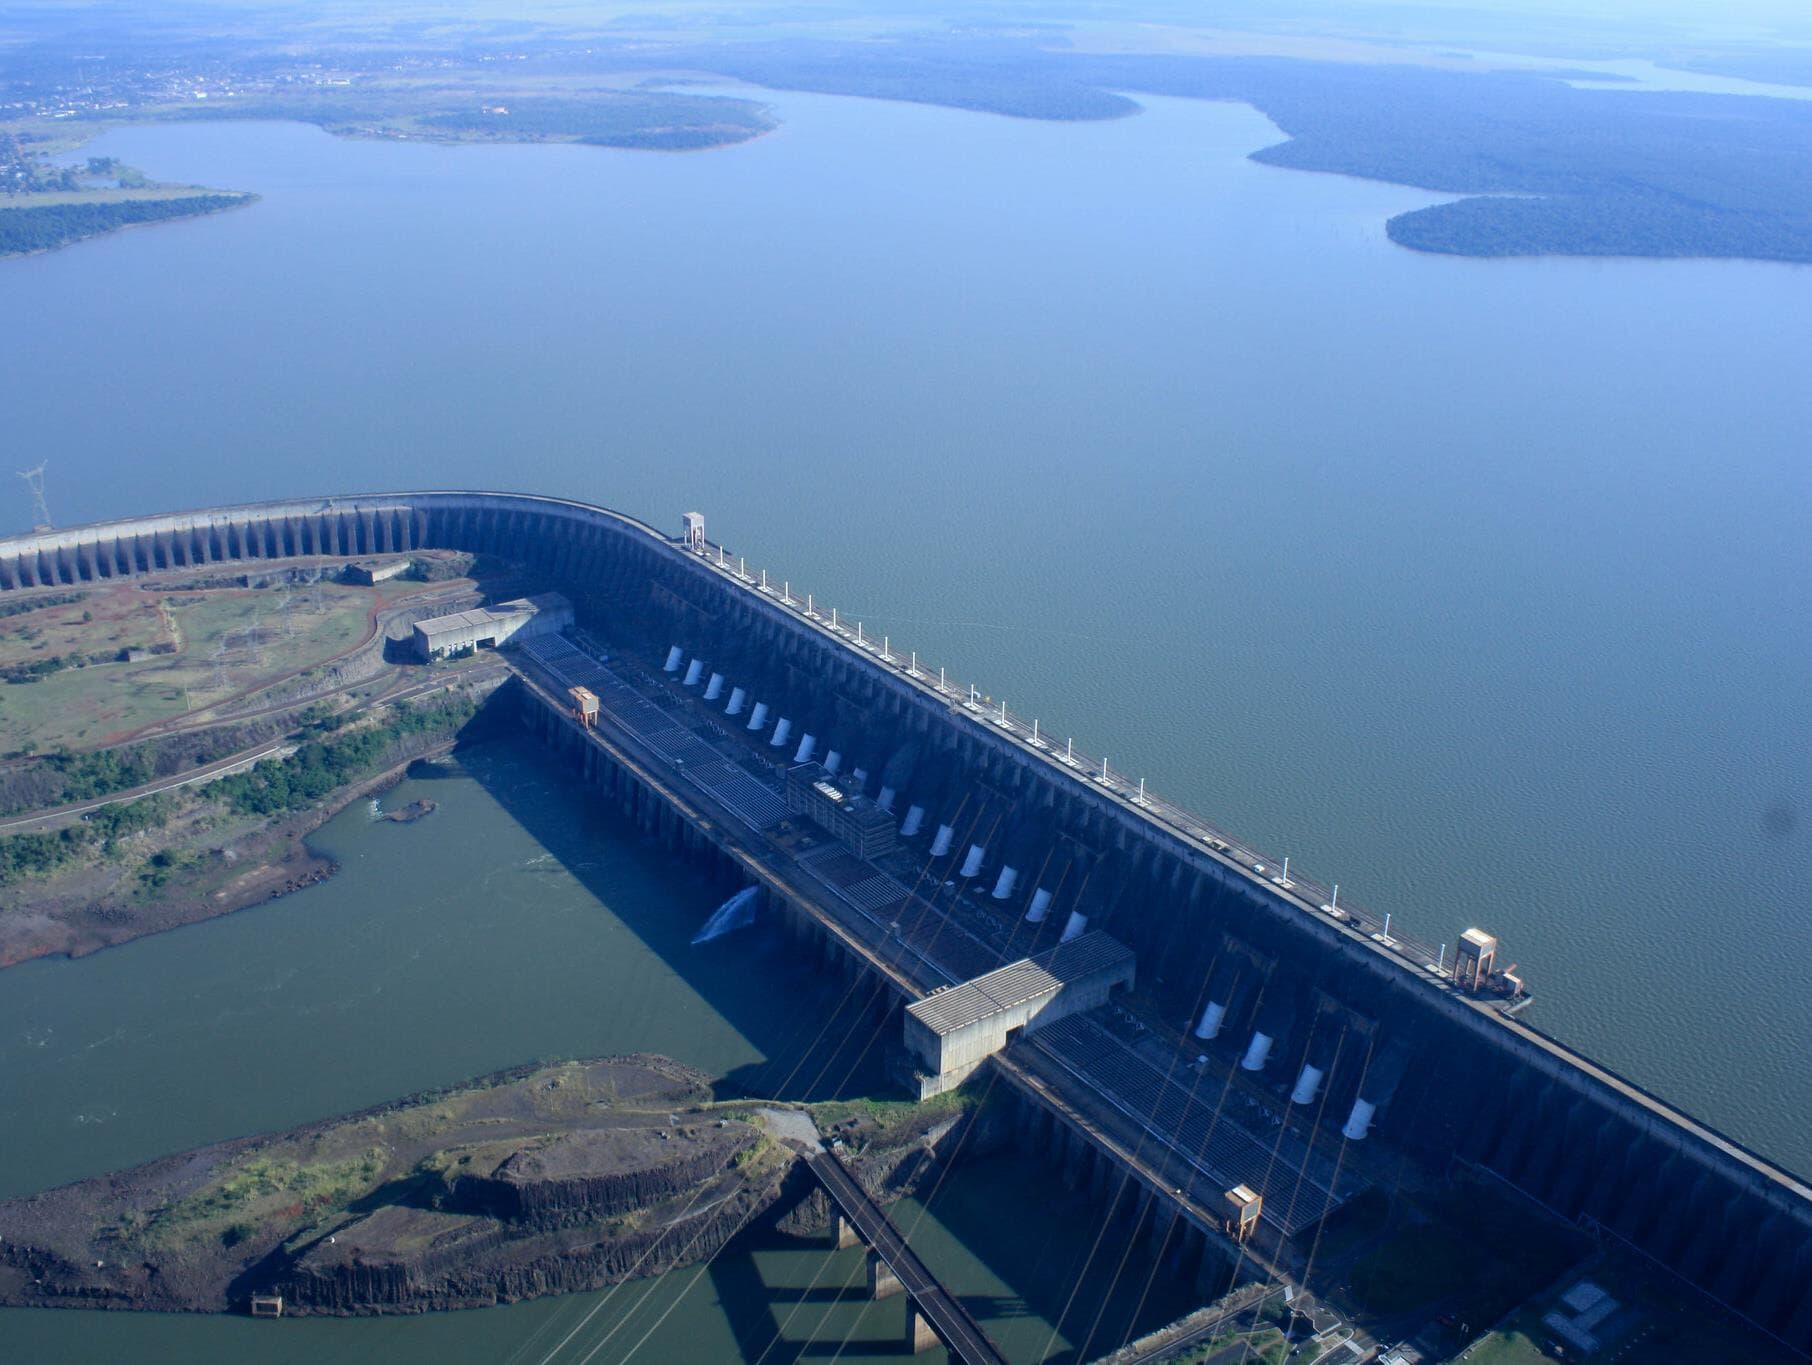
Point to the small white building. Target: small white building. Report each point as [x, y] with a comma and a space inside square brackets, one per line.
[546, 613]
[953, 1031]
[378, 571]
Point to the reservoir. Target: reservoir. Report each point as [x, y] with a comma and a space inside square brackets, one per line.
[1480, 587]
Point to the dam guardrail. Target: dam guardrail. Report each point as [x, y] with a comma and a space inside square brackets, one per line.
[1409, 954]
[1093, 771]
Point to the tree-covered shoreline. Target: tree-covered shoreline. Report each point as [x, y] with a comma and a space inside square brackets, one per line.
[1543, 166]
[45, 227]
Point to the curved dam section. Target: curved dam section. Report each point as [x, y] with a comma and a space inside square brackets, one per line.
[1361, 1024]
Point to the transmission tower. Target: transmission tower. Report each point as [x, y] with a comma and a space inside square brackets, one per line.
[40, 510]
[289, 626]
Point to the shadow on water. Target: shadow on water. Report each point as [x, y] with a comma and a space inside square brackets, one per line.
[1009, 1240]
[777, 1318]
[1061, 1281]
[814, 1030]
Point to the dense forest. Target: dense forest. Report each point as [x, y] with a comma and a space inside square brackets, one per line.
[1602, 225]
[321, 765]
[656, 122]
[1571, 171]
[40, 227]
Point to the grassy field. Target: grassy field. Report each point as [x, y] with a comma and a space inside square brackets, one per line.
[260, 1186]
[107, 619]
[102, 195]
[227, 641]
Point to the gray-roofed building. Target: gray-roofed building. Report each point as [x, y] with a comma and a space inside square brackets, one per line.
[545, 613]
[858, 823]
[377, 572]
[952, 1031]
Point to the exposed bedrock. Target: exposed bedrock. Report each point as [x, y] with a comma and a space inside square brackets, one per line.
[414, 1260]
[594, 1173]
[542, 1180]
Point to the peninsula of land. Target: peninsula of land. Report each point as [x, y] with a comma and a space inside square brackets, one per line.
[43, 207]
[543, 1179]
[539, 1181]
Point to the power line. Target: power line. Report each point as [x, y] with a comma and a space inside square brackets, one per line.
[859, 981]
[40, 510]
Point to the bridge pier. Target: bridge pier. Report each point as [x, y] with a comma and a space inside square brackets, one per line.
[843, 1232]
[920, 1335]
[882, 1282]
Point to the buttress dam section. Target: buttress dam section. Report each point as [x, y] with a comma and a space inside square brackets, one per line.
[1370, 1026]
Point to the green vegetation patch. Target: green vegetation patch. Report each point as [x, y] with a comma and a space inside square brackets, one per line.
[29, 604]
[656, 122]
[259, 1185]
[41, 855]
[865, 1120]
[320, 766]
[274, 787]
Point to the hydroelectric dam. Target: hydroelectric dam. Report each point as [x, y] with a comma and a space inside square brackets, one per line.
[1001, 889]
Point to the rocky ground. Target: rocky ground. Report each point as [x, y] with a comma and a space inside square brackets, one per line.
[543, 1180]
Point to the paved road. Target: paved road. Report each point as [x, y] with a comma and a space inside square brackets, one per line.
[188, 778]
[961, 1334]
[223, 767]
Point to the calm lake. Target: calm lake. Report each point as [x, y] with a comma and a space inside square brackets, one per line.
[1480, 587]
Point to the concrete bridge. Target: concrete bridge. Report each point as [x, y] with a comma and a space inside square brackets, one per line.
[934, 1316]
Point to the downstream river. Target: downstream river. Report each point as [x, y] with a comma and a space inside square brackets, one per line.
[1479, 587]
[517, 921]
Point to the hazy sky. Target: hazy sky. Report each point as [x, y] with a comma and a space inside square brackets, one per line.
[1599, 26]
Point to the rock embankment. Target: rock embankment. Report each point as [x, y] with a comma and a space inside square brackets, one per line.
[599, 1172]
[409, 814]
[539, 1181]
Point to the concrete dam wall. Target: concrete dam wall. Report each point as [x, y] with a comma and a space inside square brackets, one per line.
[1330, 1014]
